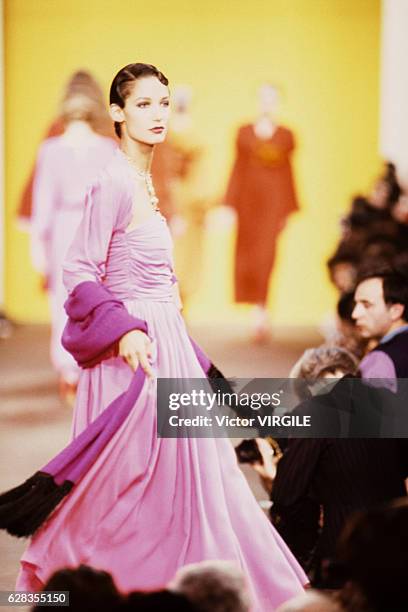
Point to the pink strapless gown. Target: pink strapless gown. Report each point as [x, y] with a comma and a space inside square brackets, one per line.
[149, 506]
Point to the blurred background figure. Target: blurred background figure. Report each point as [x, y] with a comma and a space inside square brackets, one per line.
[65, 166]
[190, 195]
[374, 230]
[83, 83]
[178, 169]
[261, 189]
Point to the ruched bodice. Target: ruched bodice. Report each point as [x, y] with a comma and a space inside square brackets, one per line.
[140, 264]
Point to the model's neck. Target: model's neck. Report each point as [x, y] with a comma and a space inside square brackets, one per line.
[140, 153]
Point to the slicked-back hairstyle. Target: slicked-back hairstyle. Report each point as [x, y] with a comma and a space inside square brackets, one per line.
[394, 282]
[124, 80]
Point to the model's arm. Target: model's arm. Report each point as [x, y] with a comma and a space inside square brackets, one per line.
[87, 256]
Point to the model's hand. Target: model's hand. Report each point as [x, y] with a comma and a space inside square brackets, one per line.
[135, 348]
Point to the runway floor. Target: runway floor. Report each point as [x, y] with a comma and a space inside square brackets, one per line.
[34, 424]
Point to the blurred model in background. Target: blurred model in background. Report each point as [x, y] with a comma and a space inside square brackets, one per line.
[66, 164]
[261, 189]
[189, 193]
[101, 124]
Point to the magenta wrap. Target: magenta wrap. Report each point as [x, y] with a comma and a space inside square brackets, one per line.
[96, 321]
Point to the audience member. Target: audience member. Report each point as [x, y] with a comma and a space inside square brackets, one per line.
[375, 231]
[381, 314]
[373, 557]
[90, 590]
[343, 268]
[338, 475]
[372, 215]
[214, 586]
[164, 600]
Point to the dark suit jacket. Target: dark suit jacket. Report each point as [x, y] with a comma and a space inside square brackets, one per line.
[340, 476]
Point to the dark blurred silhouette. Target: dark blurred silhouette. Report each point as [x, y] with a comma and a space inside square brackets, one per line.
[90, 590]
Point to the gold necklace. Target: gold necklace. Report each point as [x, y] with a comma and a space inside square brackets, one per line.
[147, 177]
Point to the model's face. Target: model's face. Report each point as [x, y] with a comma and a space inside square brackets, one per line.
[372, 315]
[146, 113]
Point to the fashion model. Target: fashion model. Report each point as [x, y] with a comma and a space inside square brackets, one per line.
[145, 506]
[66, 164]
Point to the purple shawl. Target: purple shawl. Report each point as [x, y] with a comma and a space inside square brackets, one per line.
[97, 321]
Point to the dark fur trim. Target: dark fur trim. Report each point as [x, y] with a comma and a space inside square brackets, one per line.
[26, 507]
[218, 382]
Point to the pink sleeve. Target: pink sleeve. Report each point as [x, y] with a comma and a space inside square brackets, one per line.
[86, 258]
[44, 205]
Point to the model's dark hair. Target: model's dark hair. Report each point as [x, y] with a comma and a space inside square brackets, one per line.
[124, 80]
[394, 282]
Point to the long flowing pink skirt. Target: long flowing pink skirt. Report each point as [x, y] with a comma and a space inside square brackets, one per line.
[148, 506]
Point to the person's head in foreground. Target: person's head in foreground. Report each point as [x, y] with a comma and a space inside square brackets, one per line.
[90, 590]
[311, 601]
[373, 556]
[159, 600]
[318, 364]
[213, 586]
[381, 302]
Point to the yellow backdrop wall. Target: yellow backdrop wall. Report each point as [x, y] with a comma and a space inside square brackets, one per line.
[323, 53]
